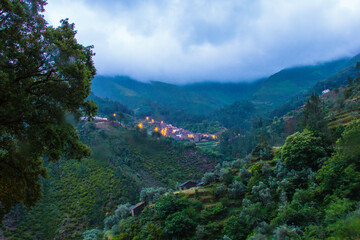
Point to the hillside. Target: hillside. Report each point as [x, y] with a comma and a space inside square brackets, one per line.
[350, 70]
[287, 83]
[204, 98]
[78, 195]
[305, 189]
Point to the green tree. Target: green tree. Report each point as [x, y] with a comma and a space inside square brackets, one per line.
[303, 150]
[313, 116]
[45, 76]
[341, 173]
[179, 225]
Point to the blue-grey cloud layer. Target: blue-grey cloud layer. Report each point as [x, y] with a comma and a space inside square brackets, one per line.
[222, 40]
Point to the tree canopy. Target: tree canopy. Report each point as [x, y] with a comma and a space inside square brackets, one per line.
[303, 150]
[313, 116]
[45, 77]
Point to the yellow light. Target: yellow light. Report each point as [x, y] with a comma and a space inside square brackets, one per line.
[191, 135]
[213, 136]
[140, 125]
[162, 121]
[114, 114]
[156, 129]
[152, 120]
[147, 118]
[163, 131]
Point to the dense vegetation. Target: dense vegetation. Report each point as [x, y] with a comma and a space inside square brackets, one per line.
[307, 189]
[78, 195]
[295, 175]
[205, 98]
[45, 75]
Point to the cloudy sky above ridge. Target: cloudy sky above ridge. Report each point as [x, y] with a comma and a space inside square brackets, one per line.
[181, 41]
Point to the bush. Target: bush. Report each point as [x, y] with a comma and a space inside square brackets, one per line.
[91, 234]
[179, 225]
[286, 233]
[244, 174]
[237, 190]
[220, 191]
[262, 193]
[208, 178]
[122, 211]
[225, 176]
[152, 194]
[110, 221]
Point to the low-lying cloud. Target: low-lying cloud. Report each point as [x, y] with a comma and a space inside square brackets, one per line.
[184, 41]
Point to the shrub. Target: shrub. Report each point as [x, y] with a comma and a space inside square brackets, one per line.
[286, 233]
[179, 225]
[152, 194]
[208, 178]
[244, 174]
[237, 190]
[122, 211]
[220, 191]
[91, 234]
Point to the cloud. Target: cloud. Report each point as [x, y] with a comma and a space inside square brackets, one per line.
[220, 40]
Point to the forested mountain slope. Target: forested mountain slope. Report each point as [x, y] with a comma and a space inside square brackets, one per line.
[306, 189]
[203, 98]
[79, 195]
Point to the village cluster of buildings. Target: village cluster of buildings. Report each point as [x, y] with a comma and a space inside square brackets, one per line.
[168, 130]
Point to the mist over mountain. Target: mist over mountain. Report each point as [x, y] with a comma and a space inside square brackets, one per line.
[203, 98]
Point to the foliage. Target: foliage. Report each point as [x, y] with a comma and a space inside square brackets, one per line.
[341, 173]
[313, 116]
[80, 195]
[286, 233]
[107, 106]
[220, 191]
[179, 225]
[236, 190]
[151, 194]
[236, 114]
[250, 197]
[91, 234]
[303, 150]
[209, 178]
[45, 75]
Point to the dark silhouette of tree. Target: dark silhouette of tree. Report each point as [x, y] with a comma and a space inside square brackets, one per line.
[45, 75]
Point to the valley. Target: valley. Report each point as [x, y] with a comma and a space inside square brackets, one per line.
[178, 120]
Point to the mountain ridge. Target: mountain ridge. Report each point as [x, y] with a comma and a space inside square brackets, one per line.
[204, 98]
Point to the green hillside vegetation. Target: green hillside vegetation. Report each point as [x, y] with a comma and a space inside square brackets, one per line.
[108, 107]
[78, 195]
[288, 83]
[306, 189]
[204, 98]
[349, 71]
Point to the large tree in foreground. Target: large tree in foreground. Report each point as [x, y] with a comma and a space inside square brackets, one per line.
[45, 75]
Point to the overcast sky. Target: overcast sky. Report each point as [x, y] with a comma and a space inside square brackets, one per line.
[182, 41]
